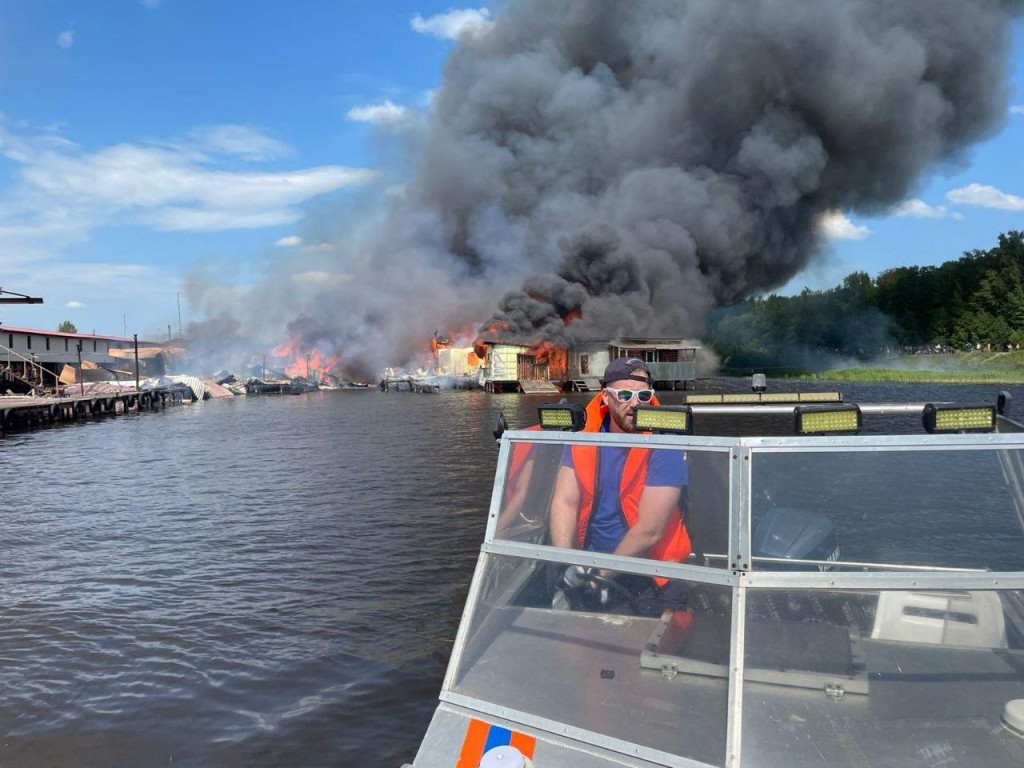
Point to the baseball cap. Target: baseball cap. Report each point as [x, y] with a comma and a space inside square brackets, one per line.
[626, 368]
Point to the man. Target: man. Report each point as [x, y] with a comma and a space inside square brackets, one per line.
[626, 501]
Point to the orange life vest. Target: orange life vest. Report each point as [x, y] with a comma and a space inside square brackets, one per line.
[674, 544]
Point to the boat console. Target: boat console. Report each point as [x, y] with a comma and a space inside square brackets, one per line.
[854, 597]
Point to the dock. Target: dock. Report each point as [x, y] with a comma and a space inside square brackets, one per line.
[20, 413]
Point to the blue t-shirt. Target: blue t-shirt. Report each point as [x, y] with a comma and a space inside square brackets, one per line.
[607, 523]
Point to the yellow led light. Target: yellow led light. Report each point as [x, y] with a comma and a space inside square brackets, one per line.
[965, 418]
[703, 399]
[821, 397]
[560, 419]
[952, 418]
[779, 397]
[662, 420]
[670, 419]
[752, 398]
[565, 416]
[821, 420]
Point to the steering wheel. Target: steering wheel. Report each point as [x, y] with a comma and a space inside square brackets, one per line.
[585, 594]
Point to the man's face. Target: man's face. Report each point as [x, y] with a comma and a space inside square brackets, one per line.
[622, 413]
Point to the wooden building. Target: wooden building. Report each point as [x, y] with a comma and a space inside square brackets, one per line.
[547, 367]
[672, 362]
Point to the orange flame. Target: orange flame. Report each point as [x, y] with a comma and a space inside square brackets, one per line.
[309, 364]
[554, 356]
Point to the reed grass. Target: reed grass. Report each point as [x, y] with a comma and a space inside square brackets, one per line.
[981, 367]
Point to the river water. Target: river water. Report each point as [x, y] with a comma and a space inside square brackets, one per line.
[261, 581]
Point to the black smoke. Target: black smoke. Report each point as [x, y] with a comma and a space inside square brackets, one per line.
[628, 166]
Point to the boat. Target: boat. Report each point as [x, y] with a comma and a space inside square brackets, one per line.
[854, 597]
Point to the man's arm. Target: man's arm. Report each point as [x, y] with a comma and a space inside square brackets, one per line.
[564, 508]
[656, 505]
[514, 503]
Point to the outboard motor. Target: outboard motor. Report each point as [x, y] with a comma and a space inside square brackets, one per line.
[795, 534]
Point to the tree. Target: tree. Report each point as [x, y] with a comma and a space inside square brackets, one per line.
[67, 327]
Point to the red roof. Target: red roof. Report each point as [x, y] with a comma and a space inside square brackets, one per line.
[63, 334]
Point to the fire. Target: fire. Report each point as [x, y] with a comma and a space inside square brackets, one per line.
[309, 364]
[554, 356]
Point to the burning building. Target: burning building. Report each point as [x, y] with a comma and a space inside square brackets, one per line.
[550, 367]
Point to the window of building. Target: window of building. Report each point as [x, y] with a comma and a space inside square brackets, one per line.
[65, 345]
[47, 343]
[94, 345]
[28, 342]
[10, 340]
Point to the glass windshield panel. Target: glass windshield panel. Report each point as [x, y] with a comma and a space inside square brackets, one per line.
[939, 508]
[609, 653]
[888, 679]
[592, 497]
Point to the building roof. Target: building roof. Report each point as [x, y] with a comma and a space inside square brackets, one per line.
[63, 334]
[653, 343]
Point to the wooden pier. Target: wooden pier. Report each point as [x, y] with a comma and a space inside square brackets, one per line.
[20, 413]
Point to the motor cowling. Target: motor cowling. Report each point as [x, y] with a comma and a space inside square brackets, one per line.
[795, 534]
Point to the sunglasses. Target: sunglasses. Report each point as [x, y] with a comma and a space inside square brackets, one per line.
[626, 395]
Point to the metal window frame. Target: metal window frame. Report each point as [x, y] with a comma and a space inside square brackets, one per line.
[739, 577]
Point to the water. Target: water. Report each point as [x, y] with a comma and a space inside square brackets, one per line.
[263, 581]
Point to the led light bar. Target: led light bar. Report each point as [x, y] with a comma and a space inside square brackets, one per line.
[566, 417]
[703, 399]
[940, 418]
[821, 397]
[664, 419]
[827, 419]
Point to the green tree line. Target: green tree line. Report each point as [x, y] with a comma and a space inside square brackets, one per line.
[975, 300]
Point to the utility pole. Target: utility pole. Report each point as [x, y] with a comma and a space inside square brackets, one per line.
[81, 372]
[179, 316]
[124, 328]
[136, 337]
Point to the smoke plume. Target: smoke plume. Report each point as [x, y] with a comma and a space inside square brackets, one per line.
[604, 168]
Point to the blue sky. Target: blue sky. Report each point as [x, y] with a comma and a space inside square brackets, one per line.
[142, 140]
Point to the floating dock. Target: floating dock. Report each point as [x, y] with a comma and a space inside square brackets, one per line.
[20, 413]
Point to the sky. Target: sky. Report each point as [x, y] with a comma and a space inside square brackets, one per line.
[145, 142]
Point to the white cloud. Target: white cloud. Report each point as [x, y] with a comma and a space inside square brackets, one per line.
[75, 305]
[66, 39]
[62, 193]
[984, 196]
[835, 226]
[1017, 109]
[385, 112]
[453, 24]
[918, 209]
[292, 241]
[239, 141]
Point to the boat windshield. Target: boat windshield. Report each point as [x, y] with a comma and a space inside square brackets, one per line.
[835, 601]
[874, 508]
